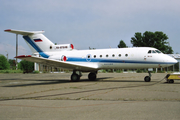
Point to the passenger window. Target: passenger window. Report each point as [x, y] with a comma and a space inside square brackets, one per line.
[89, 56]
[113, 55]
[119, 55]
[94, 56]
[106, 55]
[100, 55]
[126, 55]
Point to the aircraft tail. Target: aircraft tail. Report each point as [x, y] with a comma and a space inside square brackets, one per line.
[36, 41]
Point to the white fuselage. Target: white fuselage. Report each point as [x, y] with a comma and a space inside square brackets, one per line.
[125, 58]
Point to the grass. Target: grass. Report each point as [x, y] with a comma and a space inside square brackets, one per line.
[11, 71]
[16, 71]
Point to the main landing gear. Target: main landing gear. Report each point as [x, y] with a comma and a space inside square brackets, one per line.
[148, 78]
[77, 74]
[92, 76]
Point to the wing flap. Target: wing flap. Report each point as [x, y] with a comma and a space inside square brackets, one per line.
[62, 64]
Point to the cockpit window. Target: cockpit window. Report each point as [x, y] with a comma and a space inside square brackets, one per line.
[154, 51]
[158, 51]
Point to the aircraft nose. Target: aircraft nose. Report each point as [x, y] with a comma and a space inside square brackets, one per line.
[173, 60]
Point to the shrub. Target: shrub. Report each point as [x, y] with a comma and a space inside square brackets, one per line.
[26, 66]
[36, 72]
[139, 71]
[4, 63]
[119, 71]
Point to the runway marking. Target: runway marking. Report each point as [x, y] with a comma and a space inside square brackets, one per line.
[98, 93]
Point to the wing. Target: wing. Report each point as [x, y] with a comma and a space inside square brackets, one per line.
[67, 65]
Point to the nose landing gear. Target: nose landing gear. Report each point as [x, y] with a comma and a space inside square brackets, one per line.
[148, 78]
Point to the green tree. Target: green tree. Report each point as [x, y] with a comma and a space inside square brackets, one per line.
[26, 66]
[3, 63]
[149, 39]
[12, 63]
[122, 44]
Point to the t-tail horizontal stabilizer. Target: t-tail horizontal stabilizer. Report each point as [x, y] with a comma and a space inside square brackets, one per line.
[24, 33]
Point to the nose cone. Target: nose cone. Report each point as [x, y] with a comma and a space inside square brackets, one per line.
[174, 61]
[171, 60]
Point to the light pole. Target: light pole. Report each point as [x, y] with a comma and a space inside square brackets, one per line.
[7, 55]
[16, 49]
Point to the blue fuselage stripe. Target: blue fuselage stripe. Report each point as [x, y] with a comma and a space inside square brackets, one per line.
[101, 60]
[28, 39]
[32, 43]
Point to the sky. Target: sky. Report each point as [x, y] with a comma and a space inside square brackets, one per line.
[87, 23]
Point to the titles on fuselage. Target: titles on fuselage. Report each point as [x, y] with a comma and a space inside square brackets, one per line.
[62, 47]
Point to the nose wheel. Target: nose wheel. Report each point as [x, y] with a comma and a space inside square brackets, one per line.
[148, 78]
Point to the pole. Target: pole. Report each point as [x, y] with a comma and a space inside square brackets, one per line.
[16, 49]
[7, 55]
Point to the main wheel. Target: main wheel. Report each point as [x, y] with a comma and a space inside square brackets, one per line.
[147, 79]
[75, 77]
[92, 76]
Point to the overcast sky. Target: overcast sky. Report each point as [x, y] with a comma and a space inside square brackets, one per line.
[87, 23]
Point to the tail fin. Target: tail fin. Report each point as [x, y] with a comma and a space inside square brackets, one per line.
[36, 41]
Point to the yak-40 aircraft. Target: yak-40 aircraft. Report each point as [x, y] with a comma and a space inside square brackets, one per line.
[65, 56]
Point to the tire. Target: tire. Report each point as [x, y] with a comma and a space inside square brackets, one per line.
[75, 77]
[92, 76]
[147, 79]
[171, 81]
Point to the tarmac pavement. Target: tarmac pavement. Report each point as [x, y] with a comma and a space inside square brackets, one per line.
[115, 96]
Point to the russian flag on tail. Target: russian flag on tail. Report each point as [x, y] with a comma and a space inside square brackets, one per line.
[37, 40]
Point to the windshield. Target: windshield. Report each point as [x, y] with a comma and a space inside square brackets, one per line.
[154, 51]
[158, 51]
